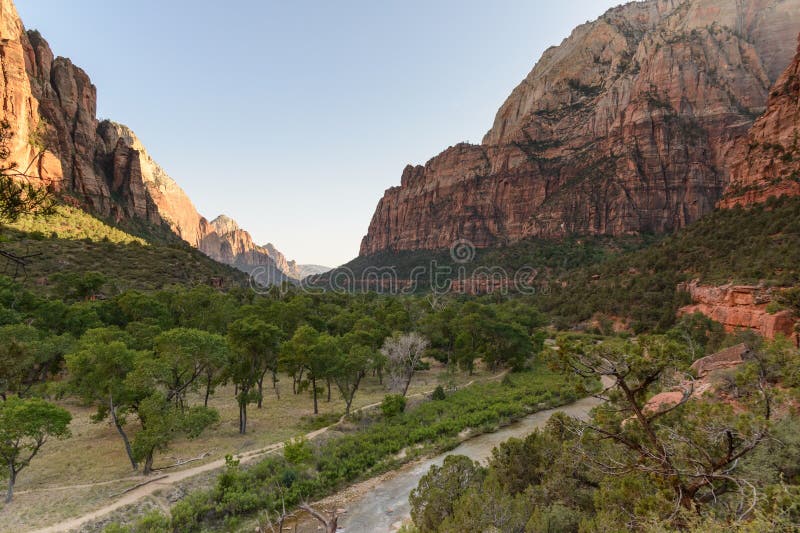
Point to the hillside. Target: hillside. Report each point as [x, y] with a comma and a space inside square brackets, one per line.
[626, 127]
[72, 243]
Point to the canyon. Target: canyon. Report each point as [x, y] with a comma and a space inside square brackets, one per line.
[632, 125]
[50, 107]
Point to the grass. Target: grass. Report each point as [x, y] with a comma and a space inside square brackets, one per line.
[94, 453]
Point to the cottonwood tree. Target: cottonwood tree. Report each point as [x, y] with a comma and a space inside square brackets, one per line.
[183, 358]
[260, 343]
[313, 352]
[162, 421]
[403, 353]
[97, 373]
[25, 425]
[689, 448]
[28, 357]
[352, 364]
[254, 352]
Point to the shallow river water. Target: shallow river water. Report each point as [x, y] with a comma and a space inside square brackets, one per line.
[384, 506]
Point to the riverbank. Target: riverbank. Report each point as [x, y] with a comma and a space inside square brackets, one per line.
[381, 504]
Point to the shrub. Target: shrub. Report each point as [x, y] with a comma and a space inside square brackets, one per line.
[393, 405]
[438, 394]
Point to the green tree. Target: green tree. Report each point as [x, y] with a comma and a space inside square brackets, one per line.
[350, 367]
[25, 425]
[685, 455]
[183, 358]
[437, 492]
[28, 357]
[260, 342]
[97, 373]
[313, 352]
[254, 352]
[162, 421]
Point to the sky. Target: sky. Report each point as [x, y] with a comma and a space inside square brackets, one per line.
[293, 117]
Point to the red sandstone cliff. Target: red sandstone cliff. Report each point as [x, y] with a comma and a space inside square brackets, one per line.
[50, 105]
[767, 162]
[740, 306]
[626, 127]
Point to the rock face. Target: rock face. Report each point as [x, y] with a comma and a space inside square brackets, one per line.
[767, 162]
[626, 127]
[722, 360]
[740, 307]
[227, 243]
[50, 106]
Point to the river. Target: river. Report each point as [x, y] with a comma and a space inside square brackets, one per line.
[378, 506]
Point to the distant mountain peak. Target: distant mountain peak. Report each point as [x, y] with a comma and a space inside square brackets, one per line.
[224, 224]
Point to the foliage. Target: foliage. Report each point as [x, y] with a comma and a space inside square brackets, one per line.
[25, 425]
[714, 463]
[393, 405]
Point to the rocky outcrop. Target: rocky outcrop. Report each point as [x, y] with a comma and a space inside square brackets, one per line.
[722, 360]
[740, 307]
[767, 162]
[50, 106]
[626, 127]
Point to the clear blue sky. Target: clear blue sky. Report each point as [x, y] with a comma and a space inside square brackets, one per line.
[294, 116]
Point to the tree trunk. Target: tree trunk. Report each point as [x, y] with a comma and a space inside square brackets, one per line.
[380, 376]
[242, 417]
[209, 378]
[347, 404]
[12, 478]
[275, 385]
[148, 464]
[329, 389]
[260, 391]
[314, 386]
[408, 384]
[121, 432]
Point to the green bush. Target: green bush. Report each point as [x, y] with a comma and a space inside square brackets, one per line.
[393, 405]
[438, 393]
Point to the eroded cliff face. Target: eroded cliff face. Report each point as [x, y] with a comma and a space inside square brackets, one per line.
[227, 243]
[50, 105]
[767, 162]
[740, 307]
[626, 127]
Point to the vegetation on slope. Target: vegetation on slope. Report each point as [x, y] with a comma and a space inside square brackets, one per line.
[759, 244]
[72, 243]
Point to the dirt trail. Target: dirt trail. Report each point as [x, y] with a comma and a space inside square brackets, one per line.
[161, 480]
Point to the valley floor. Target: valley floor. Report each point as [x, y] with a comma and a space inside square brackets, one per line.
[89, 471]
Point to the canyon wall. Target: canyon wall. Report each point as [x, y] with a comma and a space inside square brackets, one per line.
[627, 127]
[767, 161]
